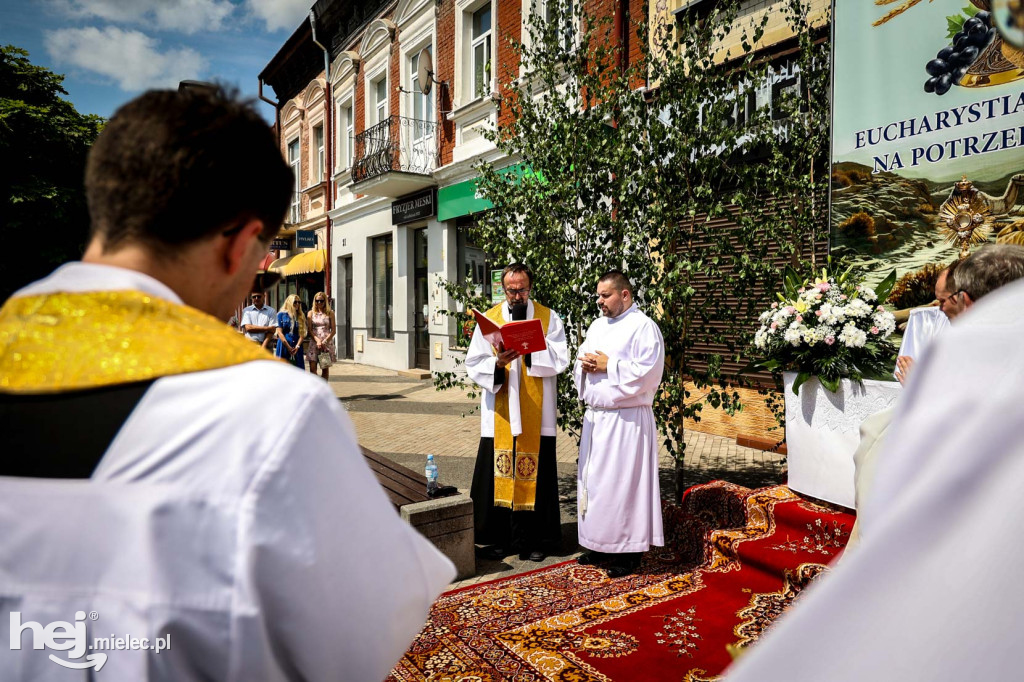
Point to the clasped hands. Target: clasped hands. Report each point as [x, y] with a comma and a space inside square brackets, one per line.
[594, 362]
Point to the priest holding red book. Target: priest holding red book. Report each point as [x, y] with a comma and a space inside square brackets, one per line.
[515, 483]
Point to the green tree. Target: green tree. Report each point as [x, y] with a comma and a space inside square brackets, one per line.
[635, 166]
[43, 142]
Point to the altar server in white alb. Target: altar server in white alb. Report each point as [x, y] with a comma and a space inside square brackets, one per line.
[617, 372]
[165, 482]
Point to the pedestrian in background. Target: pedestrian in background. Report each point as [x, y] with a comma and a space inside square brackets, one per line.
[258, 319]
[291, 330]
[322, 328]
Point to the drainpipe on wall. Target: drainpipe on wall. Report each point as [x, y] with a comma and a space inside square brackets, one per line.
[328, 147]
[277, 113]
[277, 118]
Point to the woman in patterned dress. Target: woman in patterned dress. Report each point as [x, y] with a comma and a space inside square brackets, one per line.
[323, 328]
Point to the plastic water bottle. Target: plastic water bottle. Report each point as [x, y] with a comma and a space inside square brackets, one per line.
[431, 473]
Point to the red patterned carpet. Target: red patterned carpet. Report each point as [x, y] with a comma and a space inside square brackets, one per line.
[736, 558]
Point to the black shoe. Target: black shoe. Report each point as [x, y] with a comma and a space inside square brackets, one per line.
[537, 556]
[624, 564]
[494, 552]
[619, 570]
[592, 557]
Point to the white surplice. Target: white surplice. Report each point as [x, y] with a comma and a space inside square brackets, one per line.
[934, 591]
[547, 364]
[618, 494]
[234, 512]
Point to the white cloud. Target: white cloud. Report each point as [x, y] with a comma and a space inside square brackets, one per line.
[187, 16]
[280, 14]
[129, 58]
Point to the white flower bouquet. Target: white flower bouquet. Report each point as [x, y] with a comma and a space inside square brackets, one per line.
[831, 328]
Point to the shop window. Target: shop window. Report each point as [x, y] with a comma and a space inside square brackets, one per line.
[474, 274]
[383, 287]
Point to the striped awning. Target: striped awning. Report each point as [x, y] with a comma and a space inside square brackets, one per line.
[300, 263]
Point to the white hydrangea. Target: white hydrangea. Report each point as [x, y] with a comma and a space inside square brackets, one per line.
[857, 308]
[761, 337]
[765, 316]
[780, 316]
[885, 322]
[794, 334]
[832, 314]
[867, 293]
[853, 337]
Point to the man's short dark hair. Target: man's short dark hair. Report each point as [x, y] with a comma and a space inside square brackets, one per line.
[950, 271]
[172, 168]
[517, 268]
[618, 280]
[989, 268]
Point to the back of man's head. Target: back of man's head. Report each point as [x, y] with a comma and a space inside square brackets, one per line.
[987, 269]
[171, 168]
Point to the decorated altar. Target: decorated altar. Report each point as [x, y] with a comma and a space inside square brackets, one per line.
[823, 432]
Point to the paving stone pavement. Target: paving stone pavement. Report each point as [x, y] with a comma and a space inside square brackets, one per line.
[406, 418]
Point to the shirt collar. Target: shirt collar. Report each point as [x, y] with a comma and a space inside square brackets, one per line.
[79, 277]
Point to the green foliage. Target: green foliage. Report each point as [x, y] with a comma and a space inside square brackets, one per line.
[43, 142]
[638, 178]
[955, 22]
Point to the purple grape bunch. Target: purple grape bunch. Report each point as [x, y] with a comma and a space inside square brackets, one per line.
[952, 61]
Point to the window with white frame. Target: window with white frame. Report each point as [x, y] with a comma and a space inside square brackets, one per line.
[481, 51]
[380, 98]
[295, 214]
[562, 13]
[422, 104]
[346, 131]
[318, 146]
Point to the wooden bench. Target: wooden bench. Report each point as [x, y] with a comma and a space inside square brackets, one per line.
[446, 521]
[402, 484]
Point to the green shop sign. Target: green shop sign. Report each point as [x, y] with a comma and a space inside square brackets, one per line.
[464, 198]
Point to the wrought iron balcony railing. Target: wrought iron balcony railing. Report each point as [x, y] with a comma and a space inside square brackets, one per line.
[395, 144]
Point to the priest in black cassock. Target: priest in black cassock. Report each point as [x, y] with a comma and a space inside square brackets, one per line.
[515, 483]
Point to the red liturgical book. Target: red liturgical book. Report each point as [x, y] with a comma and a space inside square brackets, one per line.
[526, 336]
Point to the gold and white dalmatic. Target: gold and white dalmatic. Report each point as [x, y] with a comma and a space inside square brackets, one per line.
[233, 511]
[618, 495]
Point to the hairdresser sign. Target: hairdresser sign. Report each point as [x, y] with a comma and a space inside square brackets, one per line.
[928, 133]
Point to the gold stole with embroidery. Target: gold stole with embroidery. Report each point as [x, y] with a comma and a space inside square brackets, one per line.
[515, 468]
[65, 341]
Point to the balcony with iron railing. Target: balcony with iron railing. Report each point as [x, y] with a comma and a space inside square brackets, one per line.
[395, 157]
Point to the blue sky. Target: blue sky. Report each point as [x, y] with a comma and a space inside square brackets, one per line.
[111, 50]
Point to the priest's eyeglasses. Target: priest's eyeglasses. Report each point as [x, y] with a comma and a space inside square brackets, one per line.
[517, 292]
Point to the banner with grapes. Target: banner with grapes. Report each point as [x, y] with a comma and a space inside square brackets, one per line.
[927, 136]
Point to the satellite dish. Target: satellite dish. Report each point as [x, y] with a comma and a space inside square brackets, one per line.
[425, 72]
